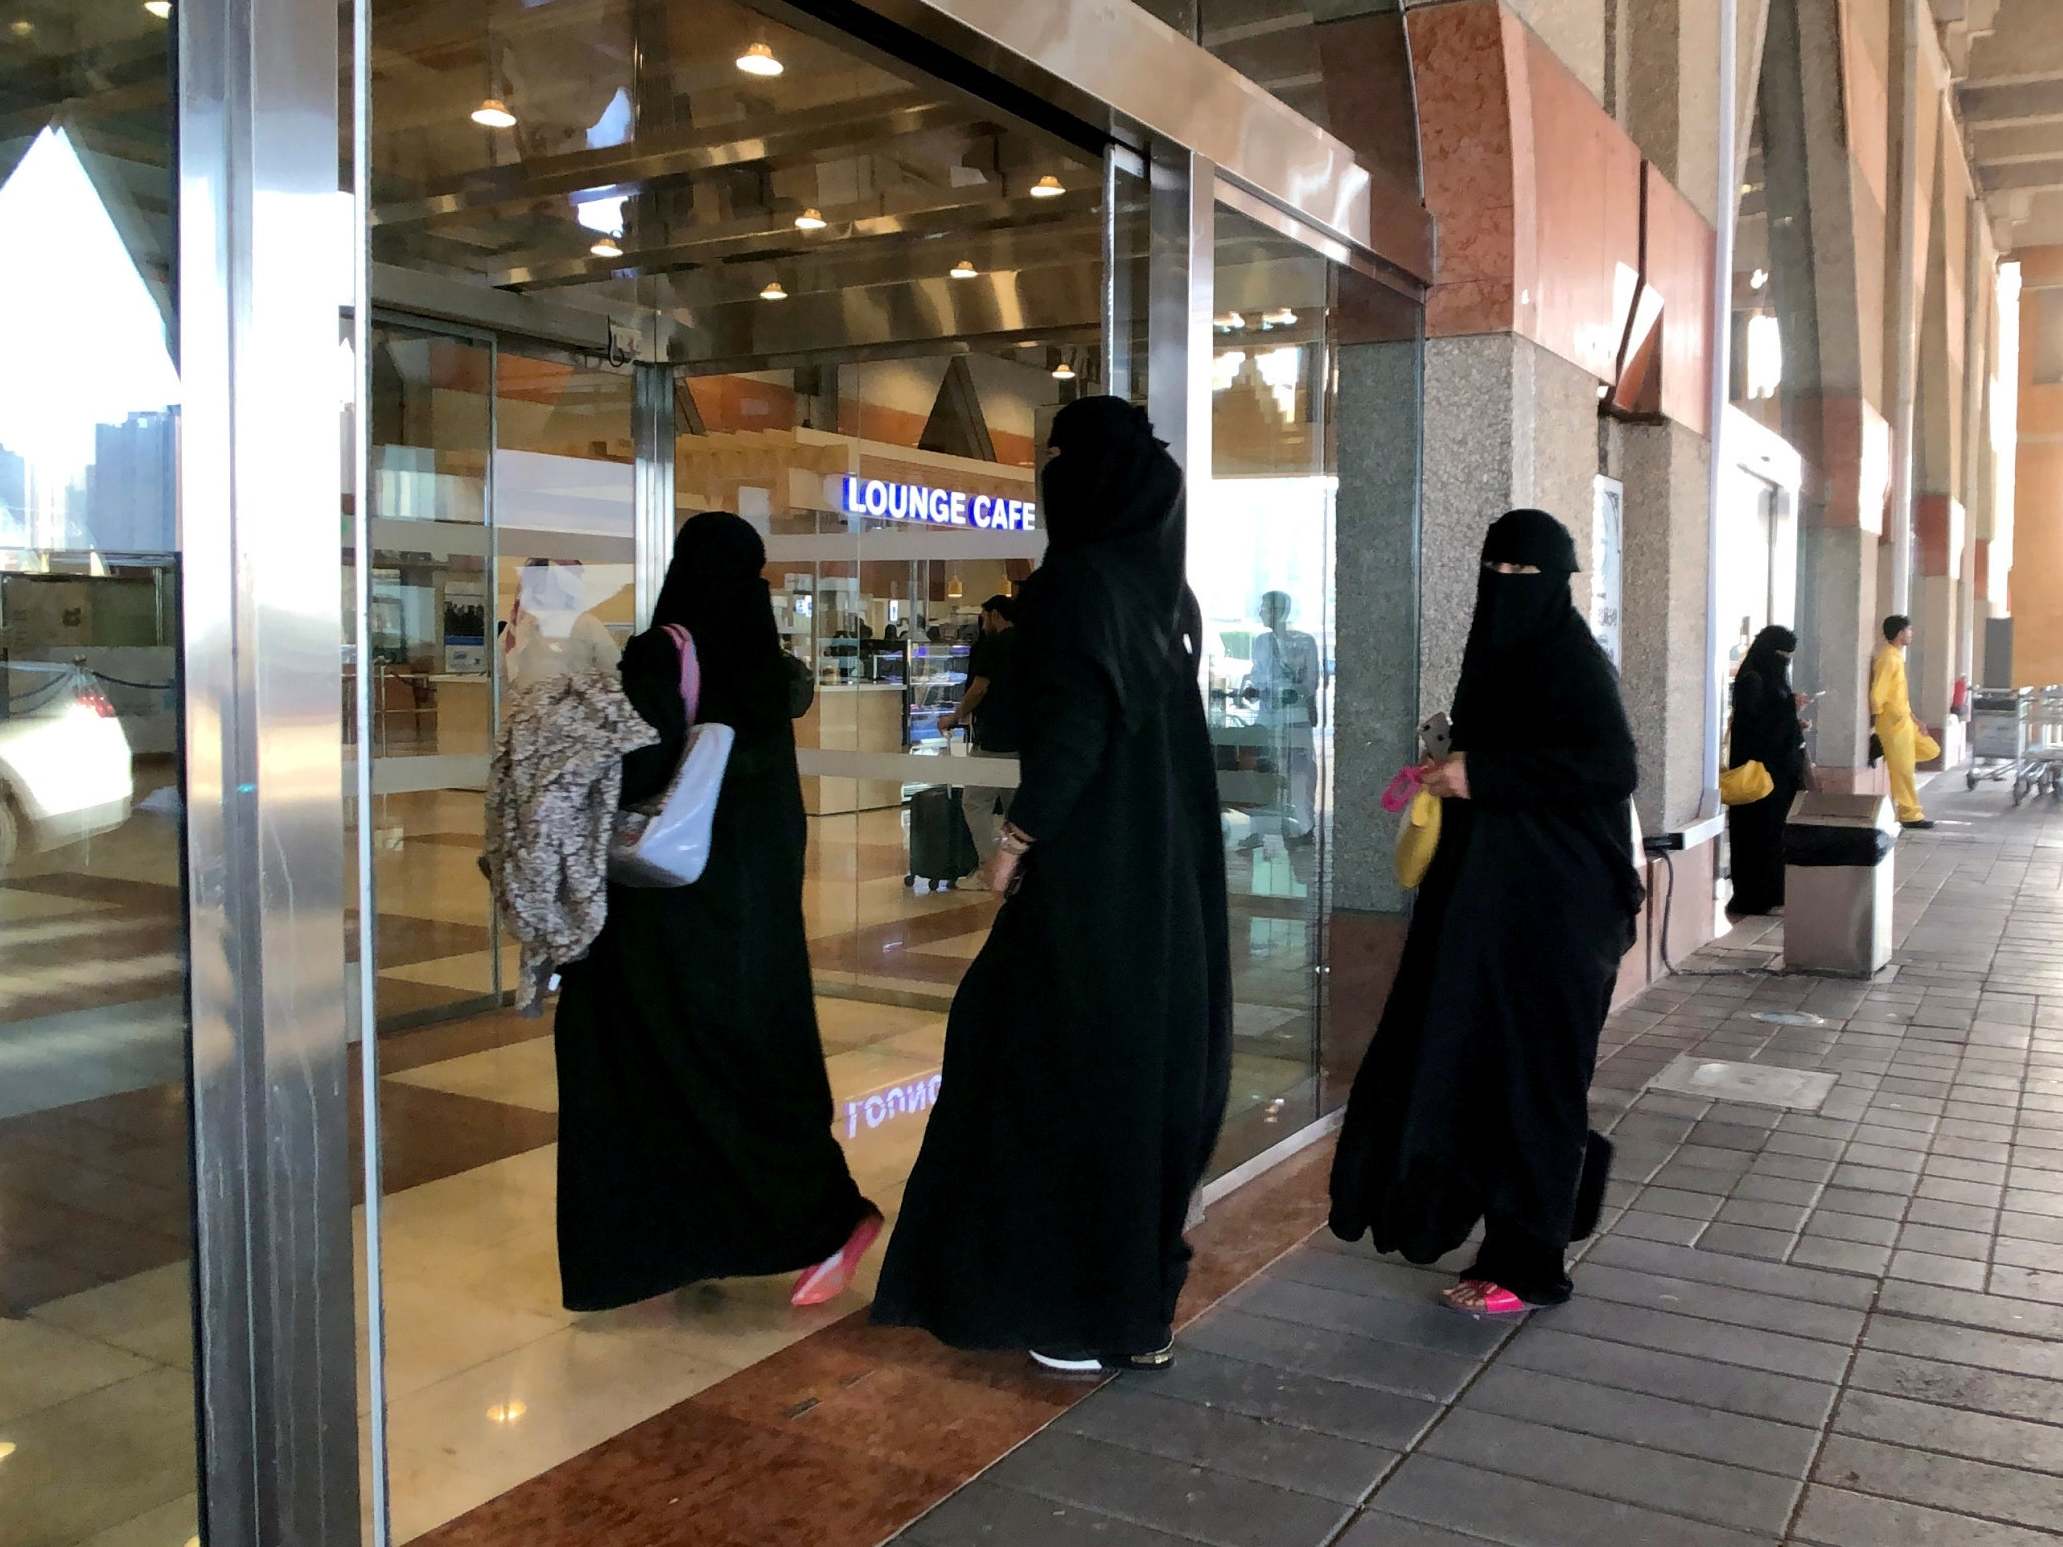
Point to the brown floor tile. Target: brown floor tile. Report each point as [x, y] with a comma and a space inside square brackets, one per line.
[842, 1439]
[427, 1135]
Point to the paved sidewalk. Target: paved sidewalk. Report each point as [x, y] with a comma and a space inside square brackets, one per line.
[1843, 1329]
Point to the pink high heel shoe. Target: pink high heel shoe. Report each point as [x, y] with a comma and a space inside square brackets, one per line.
[833, 1276]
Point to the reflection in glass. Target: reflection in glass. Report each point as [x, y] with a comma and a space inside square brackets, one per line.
[1260, 560]
[96, 1330]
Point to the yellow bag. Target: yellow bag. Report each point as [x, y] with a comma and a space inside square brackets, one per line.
[1418, 834]
[1745, 785]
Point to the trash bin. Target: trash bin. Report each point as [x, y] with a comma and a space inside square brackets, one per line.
[1838, 879]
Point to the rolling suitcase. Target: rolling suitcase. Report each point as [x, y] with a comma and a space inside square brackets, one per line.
[941, 848]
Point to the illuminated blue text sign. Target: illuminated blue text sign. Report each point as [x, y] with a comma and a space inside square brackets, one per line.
[935, 507]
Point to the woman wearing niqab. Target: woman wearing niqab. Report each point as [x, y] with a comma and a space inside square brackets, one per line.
[1472, 1104]
[695, 1135]
[1766, 730]
[1088, 1050]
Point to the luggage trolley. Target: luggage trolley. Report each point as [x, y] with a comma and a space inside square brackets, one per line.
[2041, 764]
[1998, 733]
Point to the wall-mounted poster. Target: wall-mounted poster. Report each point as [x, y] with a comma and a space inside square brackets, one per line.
[1607, 544]
[465, 626]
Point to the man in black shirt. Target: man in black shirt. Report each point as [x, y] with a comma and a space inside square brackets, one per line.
[989, 706]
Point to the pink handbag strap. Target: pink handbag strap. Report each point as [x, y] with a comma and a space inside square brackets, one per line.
[691, 669]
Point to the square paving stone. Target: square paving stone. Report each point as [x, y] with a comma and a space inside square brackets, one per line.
[1735, 1273]
[1717, 1302]
[1842, 1256]
[1729, 1388]
[1383, 1418]
[1698, 1338]
[1343, 1356]
[1849, 1200]
[1941, 1482]
[1748, 1241]
[1521, 1513]
[1852, 1227]
[1185, 1501]
[1641, 1225]
[1953, 1216]
[1927, 1268]
[1419, 1324]
[1672, 1484]
[1962, 1345]
[1958, 1385]
[1129, 1416]
[983, 1514]
[2027, 1284]
[1994, 1312]
[1967, 1244]
[1787, 1217]
[1988, 1437]
[1660, 1423]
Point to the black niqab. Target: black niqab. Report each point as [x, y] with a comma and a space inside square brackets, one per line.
[715, 588]
[1117, 544]
[1767, 659]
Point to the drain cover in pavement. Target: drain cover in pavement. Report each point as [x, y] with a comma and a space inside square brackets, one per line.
[1788, 1018]
[1762, 1085]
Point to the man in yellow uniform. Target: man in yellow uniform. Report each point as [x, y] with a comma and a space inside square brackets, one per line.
[1891, 716]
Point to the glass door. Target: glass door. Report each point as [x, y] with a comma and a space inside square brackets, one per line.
[432, 415]
[97, 1398]
[1261, 540]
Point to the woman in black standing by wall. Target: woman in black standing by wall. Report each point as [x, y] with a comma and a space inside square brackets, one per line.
[1088, 1052]
[694, 1110]
[1473, 1101]
[1766, 730]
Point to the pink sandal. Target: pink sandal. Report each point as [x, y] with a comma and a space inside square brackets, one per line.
[833, 1276]
[1496, 1300]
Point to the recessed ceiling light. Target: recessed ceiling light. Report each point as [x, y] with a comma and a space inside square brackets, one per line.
[1047, 187]
[21, 27]
[1746, 189]
[506, 1412]
[1280, 317]
[773, 291]
[161, 9]
[1063, 372]
[607, 246]
[1758, 279]
[811, 220]
[6, 1449]
[964, 269]
[759, 60]
[494, 114]
[1228, 322]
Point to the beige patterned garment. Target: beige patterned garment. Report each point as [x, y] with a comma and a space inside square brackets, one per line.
[551, 807]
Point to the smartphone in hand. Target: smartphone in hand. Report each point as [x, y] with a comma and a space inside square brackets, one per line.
[1436, 737]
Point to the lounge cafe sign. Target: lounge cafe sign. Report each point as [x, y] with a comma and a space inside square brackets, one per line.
[934, 507]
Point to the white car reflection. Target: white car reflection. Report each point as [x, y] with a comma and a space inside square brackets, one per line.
[64, 760]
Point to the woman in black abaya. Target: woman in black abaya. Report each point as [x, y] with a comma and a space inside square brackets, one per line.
[1088, 1051]
[695, 1133]
[1473, 1101]
[1766, 730]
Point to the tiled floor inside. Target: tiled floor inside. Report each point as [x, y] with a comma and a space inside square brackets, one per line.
[1842, 1329]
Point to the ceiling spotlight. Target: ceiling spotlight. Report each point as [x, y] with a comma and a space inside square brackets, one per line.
[6, 1449]
[1746, 189]
[964, 269]
[1063, 372]
[1758, 279]
[1047, 187]
[494, 114]
[21, 27]
[507, 1412]
[773, 291]
[1228, 322]
[161, 9]
[1280, 317]
[811, 220]
[607, 246]
[759, 60]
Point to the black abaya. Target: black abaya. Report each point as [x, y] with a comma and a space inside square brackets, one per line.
[1765, 730]
[1088, 1050]
[1472, 1103]
[695, 1136]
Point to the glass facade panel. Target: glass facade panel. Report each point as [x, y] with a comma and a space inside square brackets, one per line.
[96, 1199]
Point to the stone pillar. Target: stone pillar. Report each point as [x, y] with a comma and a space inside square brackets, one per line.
[1665, 469]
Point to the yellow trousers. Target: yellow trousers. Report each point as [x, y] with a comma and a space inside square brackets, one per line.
[1905, 746]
